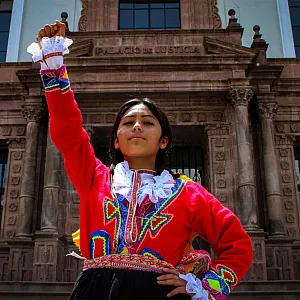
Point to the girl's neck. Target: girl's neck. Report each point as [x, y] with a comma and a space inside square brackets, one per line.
[140, 164]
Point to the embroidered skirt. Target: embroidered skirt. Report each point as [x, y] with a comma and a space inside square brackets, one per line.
[109, 284]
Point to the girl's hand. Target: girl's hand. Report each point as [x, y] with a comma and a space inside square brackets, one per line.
[52, 30]
[172, 278]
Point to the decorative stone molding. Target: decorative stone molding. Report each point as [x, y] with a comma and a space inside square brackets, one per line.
[217, 129]
[267, 110]
[32, 113]
[6, 130]
[240, 96]
[83, 19]
[285, 139]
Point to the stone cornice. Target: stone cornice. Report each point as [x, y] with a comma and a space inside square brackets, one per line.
[219, 46]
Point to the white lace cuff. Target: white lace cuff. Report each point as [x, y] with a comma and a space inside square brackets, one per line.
[52, 52]
[194, 286]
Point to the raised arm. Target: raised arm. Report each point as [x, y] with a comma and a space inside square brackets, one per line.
[66, 129]
[229, 241]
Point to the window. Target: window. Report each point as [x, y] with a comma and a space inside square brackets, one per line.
[189, 161]
[5, 16]
[295, 19]
[149, 14]
[3, 165]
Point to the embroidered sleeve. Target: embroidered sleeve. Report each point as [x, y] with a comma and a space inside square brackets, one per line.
[229, 241]
[65, 123]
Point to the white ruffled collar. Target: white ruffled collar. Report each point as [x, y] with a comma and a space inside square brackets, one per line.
[156, 187]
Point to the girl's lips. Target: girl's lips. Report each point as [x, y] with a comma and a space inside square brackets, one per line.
[136, 138]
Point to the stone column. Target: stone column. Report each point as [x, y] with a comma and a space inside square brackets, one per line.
[32, 114]
[51, 188]
[266, 112]
[240, 98]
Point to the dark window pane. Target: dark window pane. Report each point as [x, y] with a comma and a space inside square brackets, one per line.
[294, 2]
[140, 6]
[126, 6]
[141, 19]
[296, 34]
[157, 5]
[126, 19]
[157, 18]
[3, 41]
[4, 21]
[172, 5]
[172, 18]
[297, 51]
[2, 56]
[295, 16]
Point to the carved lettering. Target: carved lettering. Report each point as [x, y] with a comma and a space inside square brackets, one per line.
[146, 50]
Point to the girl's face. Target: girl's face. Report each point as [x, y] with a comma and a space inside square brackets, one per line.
[139, 137]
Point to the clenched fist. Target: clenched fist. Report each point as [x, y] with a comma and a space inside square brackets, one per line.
[52, 30]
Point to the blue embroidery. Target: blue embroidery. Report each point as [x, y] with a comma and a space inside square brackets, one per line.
[100, 238]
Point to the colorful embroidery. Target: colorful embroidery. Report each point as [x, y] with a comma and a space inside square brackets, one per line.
[156, 220]
[112, 211]
[128, 262]
[100, 239]
[219, 282]
[150, 253]
[56, 80]
[197, 262]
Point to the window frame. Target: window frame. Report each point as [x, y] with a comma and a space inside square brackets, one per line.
[1, 31]
[291, 6]
[149, 10]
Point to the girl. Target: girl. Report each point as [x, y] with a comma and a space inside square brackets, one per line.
[137, 219]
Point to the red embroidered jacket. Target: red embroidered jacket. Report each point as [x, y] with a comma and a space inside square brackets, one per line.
[166, 235]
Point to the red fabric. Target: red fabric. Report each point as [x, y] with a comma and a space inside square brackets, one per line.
[193, 209]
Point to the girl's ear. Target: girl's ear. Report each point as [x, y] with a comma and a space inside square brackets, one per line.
[116, 143]
[164, 142]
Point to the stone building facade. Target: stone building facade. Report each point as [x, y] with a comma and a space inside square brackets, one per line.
[232, 102]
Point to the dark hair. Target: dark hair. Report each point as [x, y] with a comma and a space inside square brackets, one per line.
[116, 155]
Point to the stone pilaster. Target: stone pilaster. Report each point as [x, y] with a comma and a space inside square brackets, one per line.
[266, 112]
[32, 114]
[240, 98]
[51, 188]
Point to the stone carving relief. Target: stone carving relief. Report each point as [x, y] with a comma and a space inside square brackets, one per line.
[6, 131]
[32, 113]
[267, 110]
[284, 145]
[14, 173]
[83, 18]
[218, 134]
[240, 96]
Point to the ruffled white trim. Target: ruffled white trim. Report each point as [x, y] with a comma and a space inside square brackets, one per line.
[156, 187]
[194, 286]
[50, 45]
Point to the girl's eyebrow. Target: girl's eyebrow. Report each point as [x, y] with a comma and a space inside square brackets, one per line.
[143, 116]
